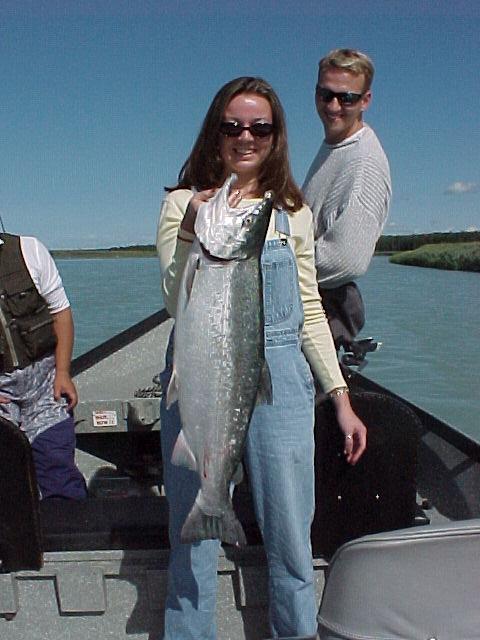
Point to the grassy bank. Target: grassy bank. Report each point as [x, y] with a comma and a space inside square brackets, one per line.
[393, 244]
[462, 256]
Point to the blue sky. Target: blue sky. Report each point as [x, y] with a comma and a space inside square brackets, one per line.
[102, 100]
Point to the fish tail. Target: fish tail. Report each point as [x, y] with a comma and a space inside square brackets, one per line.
[201, 526]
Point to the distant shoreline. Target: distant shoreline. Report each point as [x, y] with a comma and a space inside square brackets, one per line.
[447, 251]
[386, 245]
[114, 252]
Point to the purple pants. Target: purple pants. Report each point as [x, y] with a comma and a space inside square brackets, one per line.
[54, 457]
[48, 426]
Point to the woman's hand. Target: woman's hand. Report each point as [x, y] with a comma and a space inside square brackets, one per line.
[188, 222]
[234, 198]
[352, 427]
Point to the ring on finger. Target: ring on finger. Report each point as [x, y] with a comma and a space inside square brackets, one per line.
[349, 436]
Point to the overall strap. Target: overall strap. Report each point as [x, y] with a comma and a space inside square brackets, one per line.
[282, 224]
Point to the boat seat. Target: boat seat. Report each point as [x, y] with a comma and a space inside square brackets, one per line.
[421, 583]
[378, 493]
[20, 536]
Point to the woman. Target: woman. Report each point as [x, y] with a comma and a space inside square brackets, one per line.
[244, 133]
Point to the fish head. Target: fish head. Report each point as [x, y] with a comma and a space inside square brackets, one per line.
[232, 233]
[255, 222]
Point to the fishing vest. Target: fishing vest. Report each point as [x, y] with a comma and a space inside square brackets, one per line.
[26, 325]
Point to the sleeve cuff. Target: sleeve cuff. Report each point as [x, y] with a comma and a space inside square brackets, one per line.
[185, 235]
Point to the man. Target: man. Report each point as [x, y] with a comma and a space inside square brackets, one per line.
[348, 188]
[36, 339]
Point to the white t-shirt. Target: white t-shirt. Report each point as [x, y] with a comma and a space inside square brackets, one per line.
[44, 273]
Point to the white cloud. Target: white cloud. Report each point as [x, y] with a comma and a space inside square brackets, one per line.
[462, 187]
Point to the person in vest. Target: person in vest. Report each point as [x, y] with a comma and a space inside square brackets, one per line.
[348, 188]
[36, 341]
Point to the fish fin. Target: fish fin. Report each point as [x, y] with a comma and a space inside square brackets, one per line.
[182, 455]
[265, 393]
[238, 475]
[201, 526]
[172, 389]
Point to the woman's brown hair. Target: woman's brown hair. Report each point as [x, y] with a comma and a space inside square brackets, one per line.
[204, 168]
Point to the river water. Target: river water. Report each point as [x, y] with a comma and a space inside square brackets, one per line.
[426, 319]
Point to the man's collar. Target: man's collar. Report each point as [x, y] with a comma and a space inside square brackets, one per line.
[349, 140]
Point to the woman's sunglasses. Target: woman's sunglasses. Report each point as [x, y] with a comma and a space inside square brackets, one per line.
[345, 98]
[257, 129]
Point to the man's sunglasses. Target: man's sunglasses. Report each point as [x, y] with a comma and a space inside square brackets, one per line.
[345, 98]
[257, 129]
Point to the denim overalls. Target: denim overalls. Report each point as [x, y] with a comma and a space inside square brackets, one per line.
[279, 458]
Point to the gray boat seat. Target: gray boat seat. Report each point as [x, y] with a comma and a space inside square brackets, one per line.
[411, 584]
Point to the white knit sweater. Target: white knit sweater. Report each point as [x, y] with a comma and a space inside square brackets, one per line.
[348, 188]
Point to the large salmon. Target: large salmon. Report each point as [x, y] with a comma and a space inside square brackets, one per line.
[219, 370]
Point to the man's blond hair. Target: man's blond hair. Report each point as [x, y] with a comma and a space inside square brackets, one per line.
[350, 60]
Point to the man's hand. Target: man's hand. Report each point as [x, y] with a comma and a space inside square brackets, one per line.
[63, 387]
